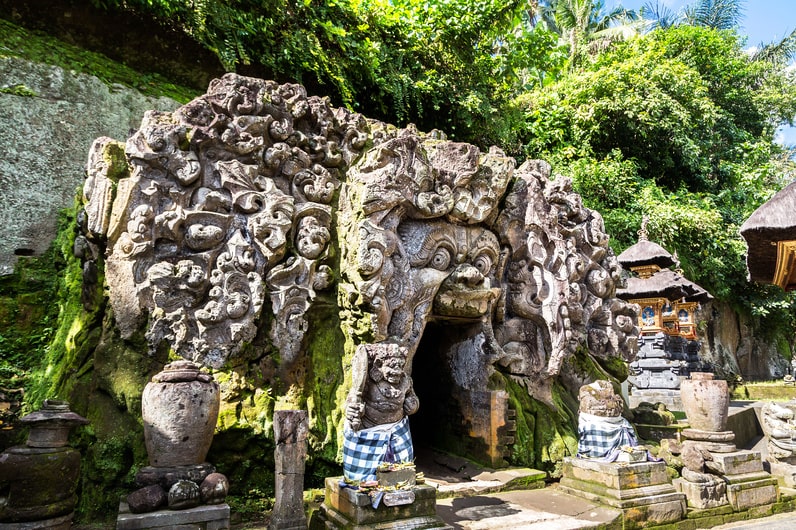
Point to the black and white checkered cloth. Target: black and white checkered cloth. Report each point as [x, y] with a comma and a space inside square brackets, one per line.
[364, 450]
[601, 437]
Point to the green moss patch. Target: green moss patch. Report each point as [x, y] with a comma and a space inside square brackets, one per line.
[35, 46]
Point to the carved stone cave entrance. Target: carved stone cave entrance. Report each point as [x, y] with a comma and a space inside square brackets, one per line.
[458, 414]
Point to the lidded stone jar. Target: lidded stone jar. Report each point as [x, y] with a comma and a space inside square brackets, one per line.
[179, 408]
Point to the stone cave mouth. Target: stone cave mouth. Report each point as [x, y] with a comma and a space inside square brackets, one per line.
[443, 423]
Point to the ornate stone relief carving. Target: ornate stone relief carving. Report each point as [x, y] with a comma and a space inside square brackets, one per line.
[256, 195]
[227, 203]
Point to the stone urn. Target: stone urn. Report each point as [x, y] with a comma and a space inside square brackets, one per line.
[706, 402]
[180, 408]
[38, 480]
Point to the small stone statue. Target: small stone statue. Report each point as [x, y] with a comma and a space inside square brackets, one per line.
[377, 410]
[602, 431]
[778, 426]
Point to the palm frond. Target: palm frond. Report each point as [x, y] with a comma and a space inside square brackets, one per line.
[780, 53]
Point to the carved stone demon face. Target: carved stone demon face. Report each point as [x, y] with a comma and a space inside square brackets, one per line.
[458, 262]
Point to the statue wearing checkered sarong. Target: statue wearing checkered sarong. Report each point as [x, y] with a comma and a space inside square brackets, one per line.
[377, 409]
[602, 431]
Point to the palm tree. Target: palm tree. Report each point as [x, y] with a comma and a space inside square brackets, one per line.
[716, 14]
[780, 53]
[659, 15]
[584, 25]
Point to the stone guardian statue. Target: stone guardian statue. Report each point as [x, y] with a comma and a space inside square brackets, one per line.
[377, 409]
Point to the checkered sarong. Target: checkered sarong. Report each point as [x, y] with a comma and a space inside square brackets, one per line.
[364, 450]
[601, 437]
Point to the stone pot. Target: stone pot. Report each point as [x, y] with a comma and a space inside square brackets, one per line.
[50, 426]
[706, 402]
[180, 408]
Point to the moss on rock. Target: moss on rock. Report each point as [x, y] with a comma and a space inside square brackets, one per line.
[545, 434]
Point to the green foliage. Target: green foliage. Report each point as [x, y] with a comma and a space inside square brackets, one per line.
[27, 313]
[18, 90]
[451, 65]
[678, 124]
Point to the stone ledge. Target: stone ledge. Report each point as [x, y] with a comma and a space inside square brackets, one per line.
[208, 517]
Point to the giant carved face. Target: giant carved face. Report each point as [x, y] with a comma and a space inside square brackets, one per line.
[458, 261]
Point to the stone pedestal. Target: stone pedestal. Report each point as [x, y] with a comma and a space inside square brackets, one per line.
[702, 495]
[290, 435]
[350, 509]
[641, 490]
[748, 484]
[209, 517]
[742, 478]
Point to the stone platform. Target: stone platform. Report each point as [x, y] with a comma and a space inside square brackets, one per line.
[670, 398]
[350, 509]
[742, 474]
[56, 523]
[641, 490]
[208, 517]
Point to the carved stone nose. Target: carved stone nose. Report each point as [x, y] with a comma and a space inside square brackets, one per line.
[468, 275]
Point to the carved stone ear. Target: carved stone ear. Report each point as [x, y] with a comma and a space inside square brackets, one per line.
[375, 372]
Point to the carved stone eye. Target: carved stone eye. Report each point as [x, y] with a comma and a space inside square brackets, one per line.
[441, 259]
[483, 263]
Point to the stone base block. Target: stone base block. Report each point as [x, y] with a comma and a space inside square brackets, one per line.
[56, 523]
[349, 509]
[754, 489]
[209, 517]
[641, 490]
[786, 473]
[168, 476]
[739, 462]
[703, 495]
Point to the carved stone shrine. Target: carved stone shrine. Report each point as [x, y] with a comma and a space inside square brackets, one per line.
[231, 223]
[38, 480]
[668, 346]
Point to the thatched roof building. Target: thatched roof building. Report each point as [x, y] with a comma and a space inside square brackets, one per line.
[770, 234]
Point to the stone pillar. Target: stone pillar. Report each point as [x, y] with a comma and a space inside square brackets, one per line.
[290, 435]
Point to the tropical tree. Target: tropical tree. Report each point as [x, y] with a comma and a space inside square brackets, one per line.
[678, 124]
[584, 25]
[714, 14]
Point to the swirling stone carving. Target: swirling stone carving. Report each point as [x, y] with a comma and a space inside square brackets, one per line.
[223, 201]
[256, 197]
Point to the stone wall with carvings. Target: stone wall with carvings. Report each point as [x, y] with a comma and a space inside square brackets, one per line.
[265, 234]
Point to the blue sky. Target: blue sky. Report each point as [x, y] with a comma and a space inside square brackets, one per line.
[764, 21]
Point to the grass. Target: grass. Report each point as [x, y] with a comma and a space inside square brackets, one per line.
[764, 390]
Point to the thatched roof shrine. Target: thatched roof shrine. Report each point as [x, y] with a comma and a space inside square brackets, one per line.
[645, 253]
[666, 283]
[770, 234]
